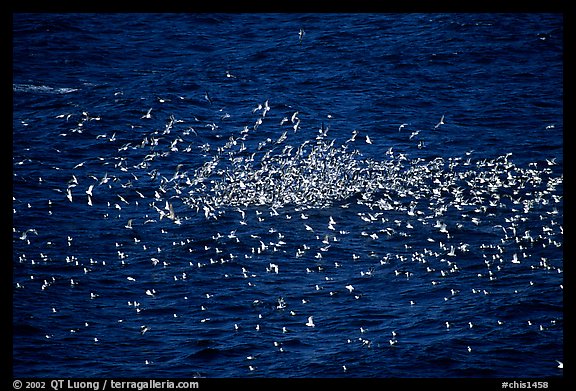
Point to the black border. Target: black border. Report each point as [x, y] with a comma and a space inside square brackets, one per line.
[358, 6]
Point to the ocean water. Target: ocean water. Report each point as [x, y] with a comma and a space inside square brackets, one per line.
[188, 189]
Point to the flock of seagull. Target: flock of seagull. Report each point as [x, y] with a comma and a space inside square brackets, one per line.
[300, 205]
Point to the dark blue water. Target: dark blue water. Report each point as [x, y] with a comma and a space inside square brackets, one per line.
[463, 225]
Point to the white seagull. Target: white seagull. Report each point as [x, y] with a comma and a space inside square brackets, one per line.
[440, 123]
[148, 114]
[310, 322]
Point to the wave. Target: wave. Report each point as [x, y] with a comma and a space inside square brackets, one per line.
[42, 89]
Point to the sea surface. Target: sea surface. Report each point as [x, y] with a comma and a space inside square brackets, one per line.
[287, 195]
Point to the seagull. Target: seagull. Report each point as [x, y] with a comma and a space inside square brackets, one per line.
[294, 117]
[401, 126]
[25, 234]
[353, 137]
[171, 213]
[331, 222]
[368, 141]
[259, 107]
[440, 123]
[350, 288]
[551, 162]
[310, 322]
[301, 34]
[207, 97]
[273, 268]
[148, 114]
[560, 364]
[296, 125]
[123, 199]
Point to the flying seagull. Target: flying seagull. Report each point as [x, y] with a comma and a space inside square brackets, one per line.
[310, 322]
[440, 123]
[207, 97]
[301, 34]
